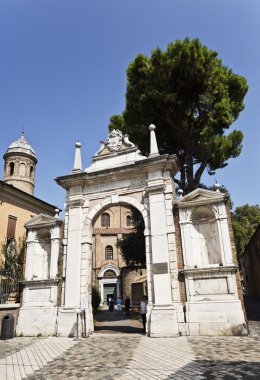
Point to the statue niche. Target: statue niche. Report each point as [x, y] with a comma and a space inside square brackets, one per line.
[41, 262]
[205, 237]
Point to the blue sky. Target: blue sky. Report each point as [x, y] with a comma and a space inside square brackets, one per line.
[63, 74]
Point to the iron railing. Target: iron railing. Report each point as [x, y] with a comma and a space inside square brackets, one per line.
[9, 287]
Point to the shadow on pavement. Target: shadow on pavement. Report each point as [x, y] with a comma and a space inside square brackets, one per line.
[218, 370]
[119, 329]
[115, 322]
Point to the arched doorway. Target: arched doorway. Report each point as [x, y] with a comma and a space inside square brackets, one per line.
[118, 266]
[118, 251]
[107, 282]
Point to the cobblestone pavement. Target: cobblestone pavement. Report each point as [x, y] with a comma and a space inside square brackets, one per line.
[134, 356]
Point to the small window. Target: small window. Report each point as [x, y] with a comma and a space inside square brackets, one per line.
[11, 227]
[109, 252]
[129, 220]
[105, 220]
[31, 171]
[11, 168]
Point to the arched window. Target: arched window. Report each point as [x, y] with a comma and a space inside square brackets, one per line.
[31, 171]
[22, 170]
[105, 220]
[109, 252]
[129, 220]
[11, 168]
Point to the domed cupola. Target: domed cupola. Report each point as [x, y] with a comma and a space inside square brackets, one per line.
[20, 162]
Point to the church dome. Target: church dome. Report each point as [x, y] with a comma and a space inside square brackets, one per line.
[21, 146]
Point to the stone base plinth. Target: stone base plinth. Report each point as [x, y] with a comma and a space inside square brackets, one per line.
[67, 322]
[35, 321]
[162, 322]
[215, 318]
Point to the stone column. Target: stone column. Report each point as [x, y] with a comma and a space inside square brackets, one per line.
[86, 283]
[66, 324]
[149, 270]
[224, 238]
[29, 255]
[162, 320]
[72, 285]
[55, 242]
[185, 226]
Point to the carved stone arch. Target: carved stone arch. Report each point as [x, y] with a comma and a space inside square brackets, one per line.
[109, 201]
[109, 267]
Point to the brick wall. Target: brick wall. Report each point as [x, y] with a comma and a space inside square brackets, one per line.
[131, 276]
[234, 257]
[179, 254]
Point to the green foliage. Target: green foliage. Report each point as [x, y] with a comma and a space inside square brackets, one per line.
[95, 301]
[245, 220]
[14, 256]
[193, 99]
[132, 245]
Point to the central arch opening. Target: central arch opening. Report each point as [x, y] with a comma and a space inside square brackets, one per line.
[118, 267]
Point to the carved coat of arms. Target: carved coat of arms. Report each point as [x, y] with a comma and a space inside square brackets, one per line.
[114, 140]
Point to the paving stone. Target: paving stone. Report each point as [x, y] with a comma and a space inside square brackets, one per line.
[132, 357]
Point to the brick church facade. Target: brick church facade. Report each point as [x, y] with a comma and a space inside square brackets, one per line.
[110, 275]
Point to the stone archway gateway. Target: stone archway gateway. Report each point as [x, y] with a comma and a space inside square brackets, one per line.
[188, 291]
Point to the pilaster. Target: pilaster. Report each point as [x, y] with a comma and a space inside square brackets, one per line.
[73, 262]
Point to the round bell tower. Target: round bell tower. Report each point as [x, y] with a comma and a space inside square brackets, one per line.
[20, 163]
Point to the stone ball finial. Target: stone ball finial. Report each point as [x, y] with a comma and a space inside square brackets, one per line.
[217, 186]
[57, 211]
[152, 127]
[78, 144]
[180, 192]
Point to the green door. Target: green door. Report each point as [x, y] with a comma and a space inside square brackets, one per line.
[109, 291]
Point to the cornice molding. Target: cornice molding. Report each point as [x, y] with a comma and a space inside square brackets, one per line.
[25, 200]
[136, 169]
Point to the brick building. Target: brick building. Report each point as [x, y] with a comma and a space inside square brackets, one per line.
[250, 265]
[110, 274]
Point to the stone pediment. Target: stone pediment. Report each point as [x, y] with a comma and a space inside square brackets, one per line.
[42, 220]
[201, 197]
